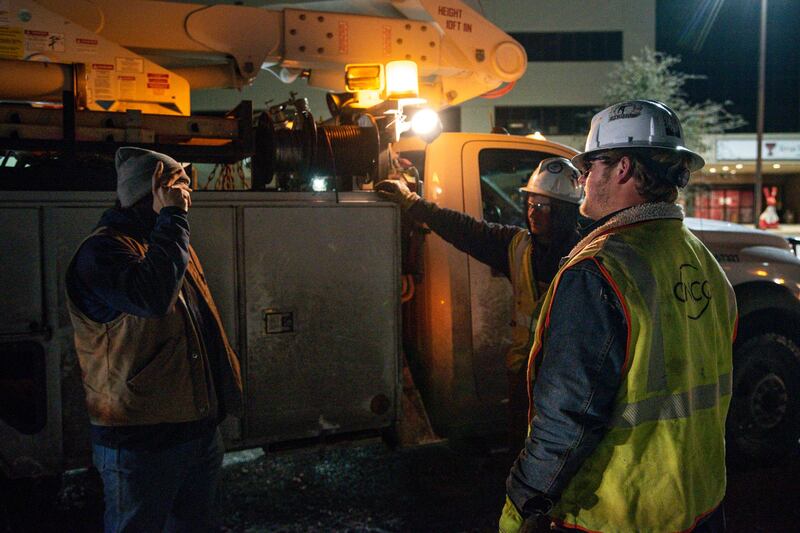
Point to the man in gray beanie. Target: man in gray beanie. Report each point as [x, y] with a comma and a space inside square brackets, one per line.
[135, 173]
[158, 371]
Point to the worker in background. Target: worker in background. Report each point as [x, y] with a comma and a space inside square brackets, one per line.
[527, 257]
[158, 371]
[631, 361]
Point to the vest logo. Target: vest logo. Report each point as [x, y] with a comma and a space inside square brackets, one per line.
[692, 291]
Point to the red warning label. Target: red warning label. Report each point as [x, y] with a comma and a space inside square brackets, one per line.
[387, 40]
[157, 80]
[344, 38]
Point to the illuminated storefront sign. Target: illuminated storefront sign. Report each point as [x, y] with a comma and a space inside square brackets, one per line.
[745, 150]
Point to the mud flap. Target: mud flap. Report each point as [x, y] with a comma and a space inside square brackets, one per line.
[414, 427]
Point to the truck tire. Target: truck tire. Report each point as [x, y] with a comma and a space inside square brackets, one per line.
[763, 425]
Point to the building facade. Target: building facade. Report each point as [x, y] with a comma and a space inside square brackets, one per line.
[572, 46]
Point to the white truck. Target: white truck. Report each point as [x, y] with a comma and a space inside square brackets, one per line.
[349, 321]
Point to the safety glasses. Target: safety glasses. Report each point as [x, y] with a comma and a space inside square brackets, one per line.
[589, 160]
[538, 206]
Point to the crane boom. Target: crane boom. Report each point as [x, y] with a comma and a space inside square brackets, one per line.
[147, 55]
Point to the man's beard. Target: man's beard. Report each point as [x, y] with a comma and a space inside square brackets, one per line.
[600, 196]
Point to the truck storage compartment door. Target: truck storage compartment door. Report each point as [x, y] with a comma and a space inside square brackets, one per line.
[71, 219]
[322, 306]
[44, 428]
[213, 236]
[21, 275]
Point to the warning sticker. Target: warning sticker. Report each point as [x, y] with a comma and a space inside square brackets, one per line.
[157, 80]
[4, 12]
[130, 64]
[127, 87]
[344, 38]
[86, 46]
[37, 41]
[12, 43]
[387, 40]
[103, 89]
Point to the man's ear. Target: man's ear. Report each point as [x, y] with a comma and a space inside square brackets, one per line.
[624, 170]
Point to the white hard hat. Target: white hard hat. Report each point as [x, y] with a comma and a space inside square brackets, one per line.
[637, 124]
[557, 178]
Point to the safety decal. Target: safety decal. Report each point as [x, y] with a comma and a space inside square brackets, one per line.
[12, 43]
[555, 167]
[672, 127]
[130, 64]
[37, 41]
[84, 45]
[625, 110]
[5, 11]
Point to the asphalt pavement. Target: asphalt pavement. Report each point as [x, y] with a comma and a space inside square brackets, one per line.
[370, 488]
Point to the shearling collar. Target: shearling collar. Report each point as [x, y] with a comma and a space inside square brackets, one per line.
[632, 215]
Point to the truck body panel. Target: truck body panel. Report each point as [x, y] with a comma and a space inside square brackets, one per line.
[307, 289]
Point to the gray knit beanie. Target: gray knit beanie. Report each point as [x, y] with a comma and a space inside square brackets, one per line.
[135, 167]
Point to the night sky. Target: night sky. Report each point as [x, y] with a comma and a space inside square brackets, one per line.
[719, 39]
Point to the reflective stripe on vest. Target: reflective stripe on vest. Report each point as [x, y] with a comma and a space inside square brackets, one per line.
[679, 405]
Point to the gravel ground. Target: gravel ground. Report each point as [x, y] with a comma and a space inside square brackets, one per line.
[373, 489]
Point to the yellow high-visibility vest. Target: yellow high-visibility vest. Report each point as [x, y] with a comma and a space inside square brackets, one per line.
[661, 466]
[528, 295]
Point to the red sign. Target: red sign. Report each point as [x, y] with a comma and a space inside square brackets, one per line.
[344, 38]
[387, 40]
[101, 66]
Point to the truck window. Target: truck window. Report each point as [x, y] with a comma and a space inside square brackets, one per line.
[503, 171]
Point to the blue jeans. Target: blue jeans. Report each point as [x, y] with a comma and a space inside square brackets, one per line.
[174, 489]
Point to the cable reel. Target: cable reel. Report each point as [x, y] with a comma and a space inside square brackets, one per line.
[294, 153]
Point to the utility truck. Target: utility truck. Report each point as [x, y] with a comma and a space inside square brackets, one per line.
[349, 321]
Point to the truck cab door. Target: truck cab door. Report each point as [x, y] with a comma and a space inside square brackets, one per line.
[493, 171]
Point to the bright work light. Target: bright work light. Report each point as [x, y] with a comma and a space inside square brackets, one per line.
[425, 122]
[401, 80]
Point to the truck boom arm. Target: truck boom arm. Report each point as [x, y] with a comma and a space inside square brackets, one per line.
[141, 43]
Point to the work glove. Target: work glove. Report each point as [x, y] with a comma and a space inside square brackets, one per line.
[510, 519]
[396, 190]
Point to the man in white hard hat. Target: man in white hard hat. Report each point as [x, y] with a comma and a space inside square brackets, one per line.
[528, 257]
[631, 360]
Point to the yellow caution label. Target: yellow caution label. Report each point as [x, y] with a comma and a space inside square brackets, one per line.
[12, 43]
